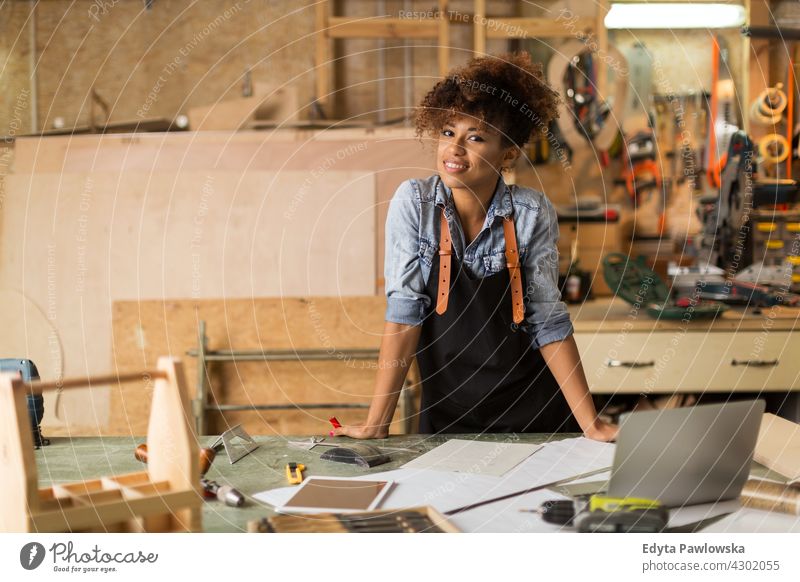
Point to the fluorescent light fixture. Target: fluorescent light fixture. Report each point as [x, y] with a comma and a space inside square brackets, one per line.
[674, 15]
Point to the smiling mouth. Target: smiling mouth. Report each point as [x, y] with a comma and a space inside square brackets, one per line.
[451, 166]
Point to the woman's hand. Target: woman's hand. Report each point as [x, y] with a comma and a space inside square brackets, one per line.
[602, 431]
[358, 431]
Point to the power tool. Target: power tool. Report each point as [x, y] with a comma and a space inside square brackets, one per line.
[27, 369]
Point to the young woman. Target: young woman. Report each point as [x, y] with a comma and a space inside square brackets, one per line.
[472, 269]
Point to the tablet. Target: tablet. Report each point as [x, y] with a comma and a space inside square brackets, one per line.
[320, 494]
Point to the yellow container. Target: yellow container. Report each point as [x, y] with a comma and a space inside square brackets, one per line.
[774, 244]
[766, 227]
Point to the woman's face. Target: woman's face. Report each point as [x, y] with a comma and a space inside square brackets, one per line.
[470, 155]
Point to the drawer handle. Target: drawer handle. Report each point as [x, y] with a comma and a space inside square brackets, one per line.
[755, 363]
[620, 364]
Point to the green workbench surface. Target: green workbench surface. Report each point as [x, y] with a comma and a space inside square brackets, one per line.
[80, 458]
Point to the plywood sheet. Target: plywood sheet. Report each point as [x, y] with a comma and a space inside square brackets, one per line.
[89, 220]
[143, 330]
[345, 149]
[75, 243]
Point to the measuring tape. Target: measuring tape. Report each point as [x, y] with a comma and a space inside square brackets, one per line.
[769, 106]
[769, 144]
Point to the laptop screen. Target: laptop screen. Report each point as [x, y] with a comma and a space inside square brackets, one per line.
[686, 456]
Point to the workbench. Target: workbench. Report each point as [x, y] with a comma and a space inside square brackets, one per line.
[625, 351]
[89, 457]
[265, 468]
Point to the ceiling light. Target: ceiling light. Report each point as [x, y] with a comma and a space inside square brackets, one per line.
[674, 15]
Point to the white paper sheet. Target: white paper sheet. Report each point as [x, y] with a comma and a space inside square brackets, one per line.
[506, 517]
[477, 457]
[446, 490]
[555, 461]
[560, 460]
[414, 487]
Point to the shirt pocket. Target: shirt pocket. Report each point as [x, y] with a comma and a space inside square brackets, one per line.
[493, 263]
[426, 251]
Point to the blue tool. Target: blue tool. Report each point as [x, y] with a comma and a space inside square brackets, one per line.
[27, 369]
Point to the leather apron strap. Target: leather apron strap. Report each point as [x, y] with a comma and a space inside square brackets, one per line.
[445, 251]
[512, 262]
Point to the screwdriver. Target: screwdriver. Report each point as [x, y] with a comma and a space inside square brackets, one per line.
[225, 493]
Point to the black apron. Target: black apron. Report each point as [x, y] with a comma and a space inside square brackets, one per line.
[479, 370]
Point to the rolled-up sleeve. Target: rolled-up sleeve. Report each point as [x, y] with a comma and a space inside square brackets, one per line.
[546, 317]
[406, 300]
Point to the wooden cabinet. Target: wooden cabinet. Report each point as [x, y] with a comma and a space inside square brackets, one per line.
[692, 361]
[624, 351]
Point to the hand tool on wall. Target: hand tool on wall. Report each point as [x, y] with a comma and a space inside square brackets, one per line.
[723, 121]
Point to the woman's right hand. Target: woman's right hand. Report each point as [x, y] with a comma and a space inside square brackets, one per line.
[602, 431]
[358, 431]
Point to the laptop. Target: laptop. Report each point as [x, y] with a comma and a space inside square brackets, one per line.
[686, 456]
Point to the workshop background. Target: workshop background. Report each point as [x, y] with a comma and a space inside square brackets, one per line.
[210, 180]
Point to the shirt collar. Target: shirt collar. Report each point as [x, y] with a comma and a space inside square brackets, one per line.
[501, 204]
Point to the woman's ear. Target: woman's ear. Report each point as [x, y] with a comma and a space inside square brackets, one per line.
[510, 157]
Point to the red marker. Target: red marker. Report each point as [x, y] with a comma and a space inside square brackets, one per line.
[334, 422]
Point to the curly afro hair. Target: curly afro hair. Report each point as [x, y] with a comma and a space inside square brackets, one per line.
[506, 92]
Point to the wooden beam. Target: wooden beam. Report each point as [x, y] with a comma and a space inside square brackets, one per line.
[321, 52]
[746, 56]
[444, 38]
[381, 27]
[39, 387]
[536, 27]
[479, 28]
[602, 47]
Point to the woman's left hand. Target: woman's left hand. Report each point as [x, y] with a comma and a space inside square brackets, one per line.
[602, 431]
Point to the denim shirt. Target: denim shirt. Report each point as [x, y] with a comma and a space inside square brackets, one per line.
[412, 241]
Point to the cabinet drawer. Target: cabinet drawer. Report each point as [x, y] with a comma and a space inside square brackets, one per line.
[677, 361]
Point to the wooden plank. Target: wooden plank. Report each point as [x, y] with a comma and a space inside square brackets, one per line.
[244, 151]
[80, 518]
[171, 441]
[66, 384]
[279, 105]
[381, 27]
[479, 29]
[536, 28]
[322, 52]
[123, 204]
[443, 39]
[18, 479]
[256, 228]
[778, 446]
[602, 7]
[143, 330]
